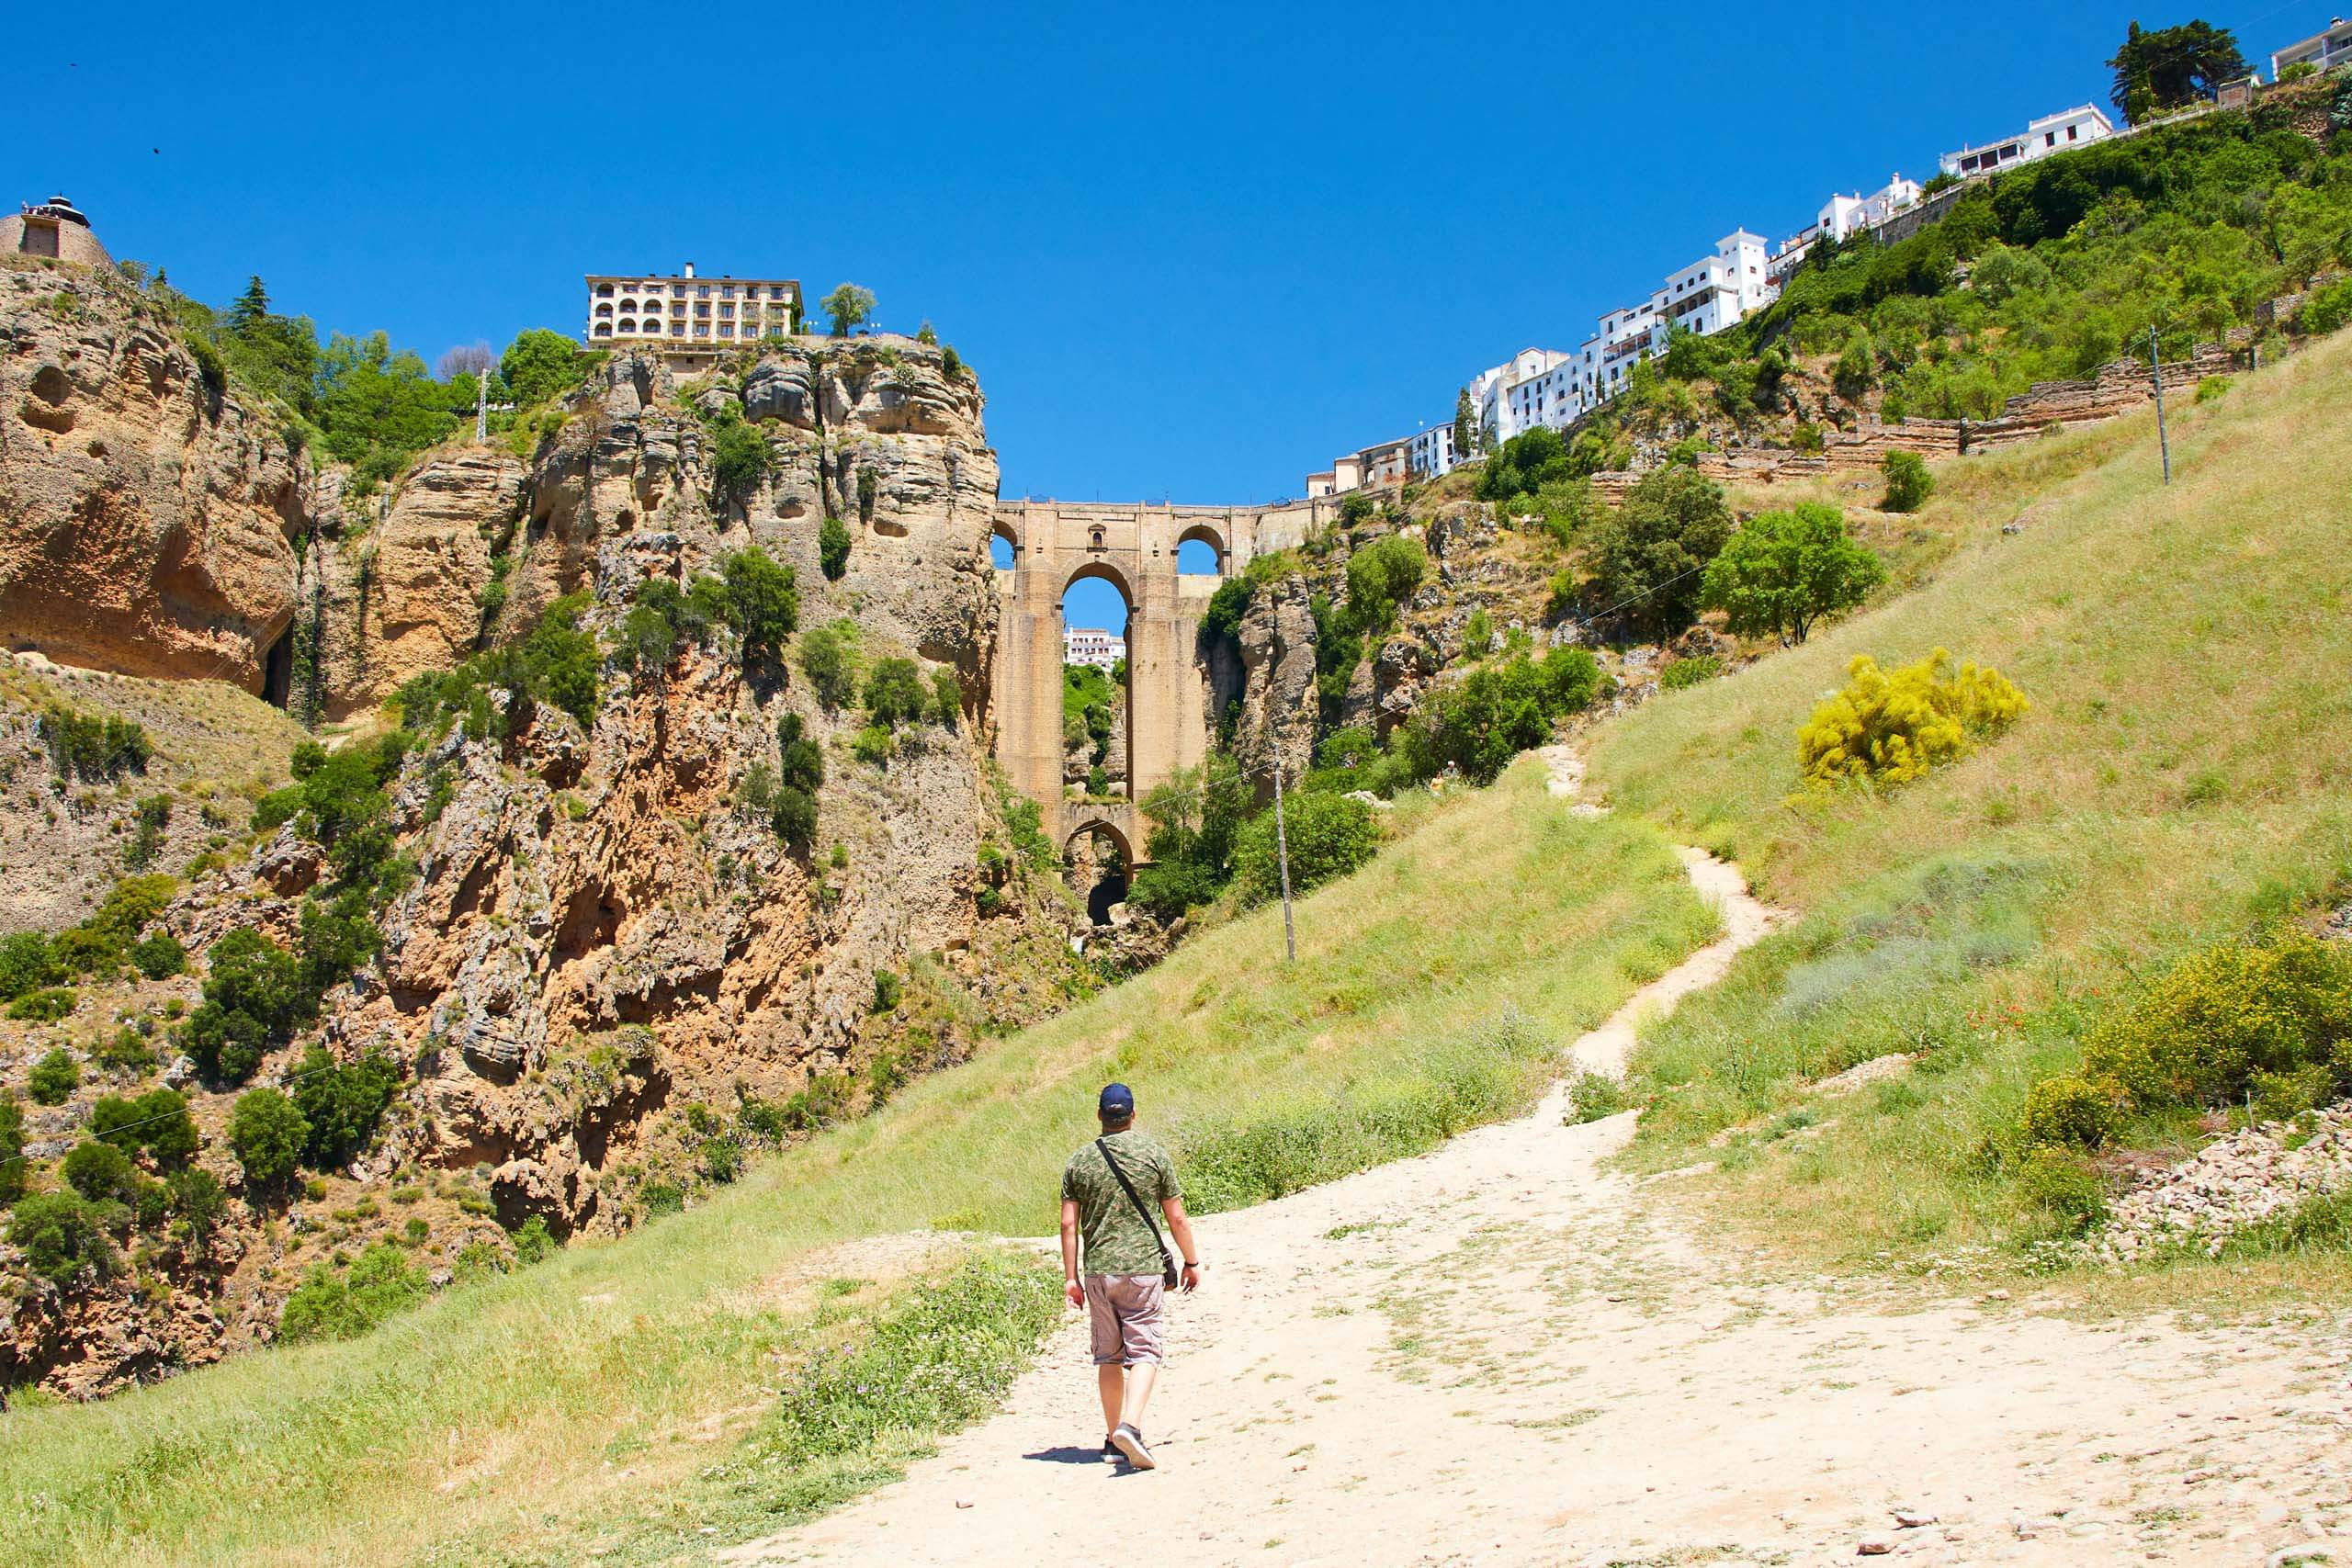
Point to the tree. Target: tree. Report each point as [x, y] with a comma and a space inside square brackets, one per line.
[832, 548]
[466, 359]
[340, 1103]
[11, 1150]
[2172, 67]
[1466, 423]
[894, 693]
[1327, 836]
[763, 601]
[100, 1173]
[251, 309]
[1908, 481]
[266, 1133]
[63, 1236]
[848, 306]
[539, 365]
[54, 1077]
[829, 656]
[739, 455]
[1647, 559]
[1786, 570]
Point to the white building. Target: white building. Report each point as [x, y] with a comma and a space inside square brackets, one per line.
[2326, 50]
[700, 312]
[2076, 126]
[1093, 645]
[1430, 454]
[1513, 396]
[1382, 463]
[1840, 217]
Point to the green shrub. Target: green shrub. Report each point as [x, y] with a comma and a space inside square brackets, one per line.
[1908, 483]
[94, 746]
[2279, 1097]
[832, 548]
[43, 1005]
[160, 957]
[762, 603]
[894, 693]
[12, 1174]
[267, 1134]
[888, 989]
[1594, 1096]
[255, 991]
[340, 1104]
[2199, 1034]
[946, 697]
[1381, 578]
[874, 745]
[2071, 1196]
[2212, 388]
[199, 1202]
[1681, 673]
[2322, 1222]
[738, 455]
[662, 1198]
[533, 1241]
[2073, 1109]
[54, 1077]
[28, 962]
[1327, 835]
[63, 1236]
[1808, 438]
[2326, 310]
[829, 655]
[100, 1173]
[157, 1121]
[1479, 723]
[332, 1306]
[721, 1159]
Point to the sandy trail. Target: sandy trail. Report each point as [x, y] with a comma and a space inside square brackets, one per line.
[1501, 1353]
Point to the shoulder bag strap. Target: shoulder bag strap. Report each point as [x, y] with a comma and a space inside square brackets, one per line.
[1167, 1258]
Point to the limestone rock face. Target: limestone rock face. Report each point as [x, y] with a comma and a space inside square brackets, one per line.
[145, 516]
[1277, 684]
[407, 596]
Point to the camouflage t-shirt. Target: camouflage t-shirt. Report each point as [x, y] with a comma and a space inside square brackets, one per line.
[1117, 1241]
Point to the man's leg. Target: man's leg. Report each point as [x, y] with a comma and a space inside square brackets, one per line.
[1140, 1377]
[1111, 1381]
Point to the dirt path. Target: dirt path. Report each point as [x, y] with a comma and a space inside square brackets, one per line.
[1502, 1353]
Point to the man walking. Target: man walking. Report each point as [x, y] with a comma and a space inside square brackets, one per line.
[1108, 1189]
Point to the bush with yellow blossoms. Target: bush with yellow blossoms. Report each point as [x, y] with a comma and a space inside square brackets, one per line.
[1893, 726]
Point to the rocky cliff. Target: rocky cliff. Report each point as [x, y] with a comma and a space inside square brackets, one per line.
[147, 515]
[607, 950]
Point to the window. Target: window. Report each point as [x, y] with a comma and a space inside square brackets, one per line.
[703, 310]
[726, 329]
[603, 291]
[677, 290]
[703, 292]
[702, 329]
[604, 329]
[677, 329]
[2049, 139]
[726, 312]
[2070, 131]
[727, 291]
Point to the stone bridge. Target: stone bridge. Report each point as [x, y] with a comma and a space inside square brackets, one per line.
[1132, 548]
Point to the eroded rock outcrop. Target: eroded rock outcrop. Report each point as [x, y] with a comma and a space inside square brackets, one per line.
[147, 514]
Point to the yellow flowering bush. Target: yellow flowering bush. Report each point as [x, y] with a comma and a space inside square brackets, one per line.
[1893, 726]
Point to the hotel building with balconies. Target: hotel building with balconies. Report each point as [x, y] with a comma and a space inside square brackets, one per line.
[688, 311]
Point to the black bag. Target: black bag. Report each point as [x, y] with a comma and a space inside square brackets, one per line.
[1167, 1259]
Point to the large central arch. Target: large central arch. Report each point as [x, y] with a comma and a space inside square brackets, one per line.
[1134, 549]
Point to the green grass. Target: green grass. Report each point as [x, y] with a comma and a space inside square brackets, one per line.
[2181, 777]
[511, 1419]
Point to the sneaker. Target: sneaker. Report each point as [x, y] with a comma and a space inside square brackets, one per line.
[1110, 1448]
[1129, 1443]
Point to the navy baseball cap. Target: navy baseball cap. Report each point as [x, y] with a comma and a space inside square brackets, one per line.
[1116, 1100]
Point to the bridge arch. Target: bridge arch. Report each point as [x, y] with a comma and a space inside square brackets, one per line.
[1205, 533]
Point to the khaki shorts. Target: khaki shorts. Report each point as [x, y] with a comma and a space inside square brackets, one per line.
[1123, 1315]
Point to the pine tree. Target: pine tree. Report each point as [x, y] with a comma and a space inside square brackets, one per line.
[251, 310]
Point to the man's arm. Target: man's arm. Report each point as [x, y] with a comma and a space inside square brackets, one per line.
[1071, 1289]
[1179, 1226]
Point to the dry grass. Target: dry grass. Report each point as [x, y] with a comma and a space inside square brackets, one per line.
[512, 1420]
[2182, 776]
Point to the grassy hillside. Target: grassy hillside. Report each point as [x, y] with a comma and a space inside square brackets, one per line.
[2181, 777]
[606, 1394]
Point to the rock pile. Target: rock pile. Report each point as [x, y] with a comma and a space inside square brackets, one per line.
[2234, 1183]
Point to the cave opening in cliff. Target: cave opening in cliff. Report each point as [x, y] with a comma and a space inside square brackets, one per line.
[278, 670]
[1098, 713]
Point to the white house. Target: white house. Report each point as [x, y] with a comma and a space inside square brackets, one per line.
[1382, 463]
[1507, 396]
[1840, 217]
[1093, 645]
[2326, 50]
[2077, 126]
[1430, 454]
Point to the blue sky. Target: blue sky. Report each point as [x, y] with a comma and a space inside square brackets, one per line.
[1193, 252]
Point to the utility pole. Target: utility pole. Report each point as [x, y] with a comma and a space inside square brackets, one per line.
[2156, 371]
[1282, 858]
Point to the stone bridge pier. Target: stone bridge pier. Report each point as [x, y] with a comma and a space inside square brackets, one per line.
[1134, 549]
